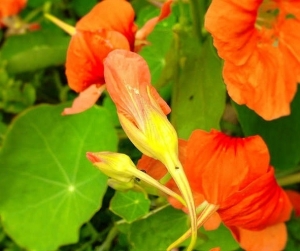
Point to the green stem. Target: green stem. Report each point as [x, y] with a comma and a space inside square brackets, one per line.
[109, 239]
[198, 10]
[156, 210]
[289, 180]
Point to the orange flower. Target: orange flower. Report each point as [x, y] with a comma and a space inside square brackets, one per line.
[235, 179]
[109, 25]
[11, 7]
[142, 114]
[260, 45]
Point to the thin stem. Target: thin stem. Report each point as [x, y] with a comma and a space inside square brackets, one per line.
[153, 182]
[176, 170]
[289, 180]
[109, 239]
[207, 212]
[64, 26]
[156, 210]
[198, 10]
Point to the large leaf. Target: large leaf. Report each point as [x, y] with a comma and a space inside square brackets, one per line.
[198, 99]
[48, 187]
[158, 231]
[35, 50]
[281, 135]
[130, 205]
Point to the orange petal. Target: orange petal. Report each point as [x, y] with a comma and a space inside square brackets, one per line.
[11, 7]
[116, 15]
[85, 100]
[218, 165]
[295, 200]
[272, 238]
[257, 85]
[213, 222]
[148, 27]
[86, 52]
[128, 73]
[234, 35]
[262, 203]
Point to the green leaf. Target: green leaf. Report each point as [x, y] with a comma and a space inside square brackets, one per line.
[293, 227]
[82, 7]
[198, 99]
[130, 205]
[160, 41]
[34, 50]
[158, 231]
[220, 237]
[50, 187]
[282, 135]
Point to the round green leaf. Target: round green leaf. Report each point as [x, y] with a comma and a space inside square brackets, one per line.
[130, 205]
[48, 187]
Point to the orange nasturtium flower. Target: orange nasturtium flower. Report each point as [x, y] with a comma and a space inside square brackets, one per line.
[10, 7]
[259, 41]
[142, 114]
[235, 179]
[108, 26]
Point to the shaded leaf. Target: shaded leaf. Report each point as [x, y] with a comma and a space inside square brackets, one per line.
[34, 50]
[50, 188]
[281, 135]
[130, 205]
[198, 99]
[158, 231]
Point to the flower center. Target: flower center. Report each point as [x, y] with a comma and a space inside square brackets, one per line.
[267, 15]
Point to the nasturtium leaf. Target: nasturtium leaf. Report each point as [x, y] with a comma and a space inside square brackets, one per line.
[35, 50]
[82, 7]
[198, 99]
[158, 231]
[282, 135]
[293, 227]
[221, 237]
[48, 187]
[130, 205]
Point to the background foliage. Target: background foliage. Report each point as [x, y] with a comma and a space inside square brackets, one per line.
[51, 197]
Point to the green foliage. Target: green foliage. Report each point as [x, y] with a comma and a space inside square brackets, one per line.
[50, 187]
[198, 99]
[35, 50]
[130, 205]
[15, 96]
[281, 135]
[157, 232]
[293, 232]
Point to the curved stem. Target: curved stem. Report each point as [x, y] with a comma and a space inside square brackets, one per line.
[153, 182]
[176, 170]
[289, 180]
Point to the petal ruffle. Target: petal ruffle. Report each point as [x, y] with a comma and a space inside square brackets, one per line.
[86, 52]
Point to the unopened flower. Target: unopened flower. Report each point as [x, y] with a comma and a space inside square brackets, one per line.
[142, 113]
[120, 168]
[257, 39]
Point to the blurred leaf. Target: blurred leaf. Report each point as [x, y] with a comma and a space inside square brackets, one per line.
[34, 50]
[82, 7]
[293, 227]
[50, 187]
[281, 135]
[198, 99]
[15, 96]
[130, 205]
